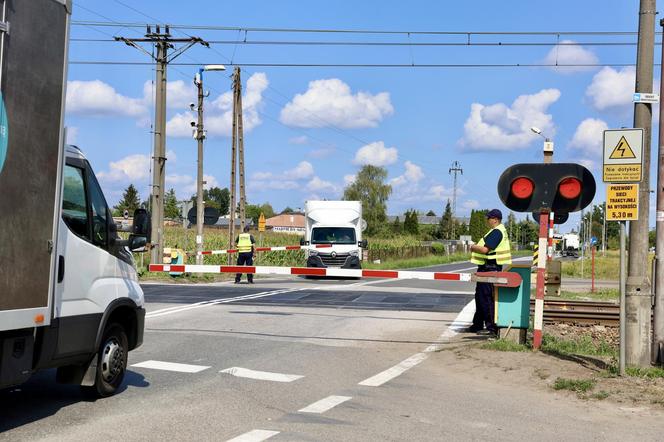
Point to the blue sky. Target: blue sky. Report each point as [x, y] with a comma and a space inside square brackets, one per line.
[309, 129]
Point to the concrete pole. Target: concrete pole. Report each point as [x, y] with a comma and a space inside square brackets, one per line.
[200, 136]
[240, 144]
[159, 156]
[637, 298]
[658, 322]
[231, 210]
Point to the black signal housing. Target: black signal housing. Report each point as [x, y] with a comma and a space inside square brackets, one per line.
[555, 187]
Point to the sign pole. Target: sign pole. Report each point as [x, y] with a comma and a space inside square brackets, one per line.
[592, 287]
[623, 289]
[541, 272]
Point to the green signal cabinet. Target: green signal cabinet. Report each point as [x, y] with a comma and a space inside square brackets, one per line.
[512, 306]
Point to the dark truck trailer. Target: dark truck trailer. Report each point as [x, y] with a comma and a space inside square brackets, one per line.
[69, 293]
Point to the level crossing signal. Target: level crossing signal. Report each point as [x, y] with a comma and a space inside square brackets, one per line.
[539, 187]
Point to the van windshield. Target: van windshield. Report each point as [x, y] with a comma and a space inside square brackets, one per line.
[333, 235]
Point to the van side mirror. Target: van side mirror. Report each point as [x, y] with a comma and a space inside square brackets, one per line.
[364, 243]
[142, 224]
[304, 242]
[137, 243]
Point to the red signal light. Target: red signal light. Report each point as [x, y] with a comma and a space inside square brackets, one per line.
[569, 188]
[522, 187]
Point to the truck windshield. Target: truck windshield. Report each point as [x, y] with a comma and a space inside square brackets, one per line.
[333, 235]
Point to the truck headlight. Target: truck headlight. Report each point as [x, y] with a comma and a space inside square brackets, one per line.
[354, 253]
[313, 252]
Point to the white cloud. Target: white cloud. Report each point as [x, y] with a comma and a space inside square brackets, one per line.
[323, 152]
[130, 168]
[570, 53]
[72, 135]
[611, 88]
[302, 139]
[96, 98]
[376, 154]
[218, 117]
[499, 127]
[588, 140]
[349, 179]
[330, 102]
[186, 184]
[470, 204]
[318, 185]
[412, 175]
[303, 170]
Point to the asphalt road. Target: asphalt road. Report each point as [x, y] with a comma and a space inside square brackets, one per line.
[299, 359]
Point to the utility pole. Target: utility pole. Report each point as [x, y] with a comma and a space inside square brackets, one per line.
[163, 42]
[199, 135]
[658, 321]
[456, 168]
[637, 299]
[231, 220]
[240, 143]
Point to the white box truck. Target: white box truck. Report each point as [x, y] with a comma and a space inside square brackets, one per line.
[338, 224]
[69, 292]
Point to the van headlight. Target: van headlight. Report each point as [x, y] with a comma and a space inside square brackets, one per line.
[354, 253]
[313, 252]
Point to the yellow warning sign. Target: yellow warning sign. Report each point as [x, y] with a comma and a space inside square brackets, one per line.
[622, 202]
[622, 150]
[261, 223]
[617, 173]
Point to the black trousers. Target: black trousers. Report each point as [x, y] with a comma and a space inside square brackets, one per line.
[484, 303]
[245, 259]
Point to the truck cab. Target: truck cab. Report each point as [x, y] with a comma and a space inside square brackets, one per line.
[338, 227]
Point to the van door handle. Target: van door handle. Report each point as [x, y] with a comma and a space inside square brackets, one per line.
[61, 268]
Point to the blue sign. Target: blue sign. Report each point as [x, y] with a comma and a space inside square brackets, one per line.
[4, 132]
[593, 240]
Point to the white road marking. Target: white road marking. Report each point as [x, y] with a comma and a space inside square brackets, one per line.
[171, 310]
[254, 436]
[261, 375]
[461, 320]
[393, 372]
[325, 404]
[171, 366]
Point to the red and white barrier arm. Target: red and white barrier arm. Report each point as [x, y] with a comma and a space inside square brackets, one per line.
[266, 249]
[505, 279]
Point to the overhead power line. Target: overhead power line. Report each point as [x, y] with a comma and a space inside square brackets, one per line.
[384, 43]
[370, 65]
[351, 31]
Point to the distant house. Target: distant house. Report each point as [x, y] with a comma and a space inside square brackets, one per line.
[224, 221]
[286, 223]
[425, 220]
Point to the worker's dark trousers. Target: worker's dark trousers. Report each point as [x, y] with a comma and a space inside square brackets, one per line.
[484, 307]
[245, 259]
[484, 303]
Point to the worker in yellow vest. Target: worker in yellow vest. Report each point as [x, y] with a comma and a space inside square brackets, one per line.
[490, 254]
[245, 257]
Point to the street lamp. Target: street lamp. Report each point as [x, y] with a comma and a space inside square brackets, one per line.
[548, 145]
[199, 135]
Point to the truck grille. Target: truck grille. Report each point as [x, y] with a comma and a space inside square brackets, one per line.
[337, 261]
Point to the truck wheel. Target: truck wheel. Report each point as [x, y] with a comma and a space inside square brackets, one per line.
[111, 362]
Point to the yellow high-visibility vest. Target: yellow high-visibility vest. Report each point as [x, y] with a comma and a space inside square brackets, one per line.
[501, 254]
[244, 243]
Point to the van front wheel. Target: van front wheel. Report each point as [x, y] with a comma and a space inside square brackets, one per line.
[111, 361]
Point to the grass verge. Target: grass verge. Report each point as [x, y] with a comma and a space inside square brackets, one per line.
[576, 385]
[598, 295]
[648, 373]
[504, 345]
[574, 347]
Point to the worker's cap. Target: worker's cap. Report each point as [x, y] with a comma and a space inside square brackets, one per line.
[495, 213]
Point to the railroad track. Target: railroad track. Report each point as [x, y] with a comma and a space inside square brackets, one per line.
[580, 312]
